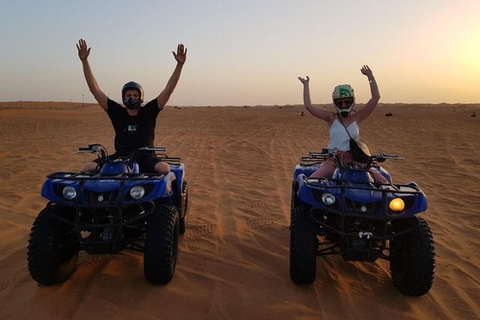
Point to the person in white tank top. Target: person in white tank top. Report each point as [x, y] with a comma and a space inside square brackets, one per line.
[343, 100]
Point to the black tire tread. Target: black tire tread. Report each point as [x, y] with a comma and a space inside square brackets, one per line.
[412, 260]
[303, 247]
[52, 252]
[161, 244]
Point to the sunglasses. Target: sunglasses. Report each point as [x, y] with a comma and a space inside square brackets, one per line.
[346, 102]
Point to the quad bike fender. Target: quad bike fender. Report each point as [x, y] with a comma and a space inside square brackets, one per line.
[305, 170]
[414, 198]
[421, 203]
[52, 189]
[304, 192]
[49, 191]
[179, 172]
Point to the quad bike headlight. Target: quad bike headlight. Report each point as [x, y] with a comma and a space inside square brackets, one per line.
[397, 205]
[137, 192]
[69, 193]
[328, 199]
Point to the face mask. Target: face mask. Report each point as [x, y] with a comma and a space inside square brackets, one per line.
[132, 104]
[344, 114]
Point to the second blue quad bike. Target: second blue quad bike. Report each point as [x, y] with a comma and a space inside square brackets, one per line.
[106, 212]
[361, 219]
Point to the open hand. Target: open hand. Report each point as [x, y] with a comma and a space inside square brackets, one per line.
[366, 71]
[83, 50]
[181, 55]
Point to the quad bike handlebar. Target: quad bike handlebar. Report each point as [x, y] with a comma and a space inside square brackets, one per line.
[325, 153]
[95, 148]
[319, 157]
[102, 153]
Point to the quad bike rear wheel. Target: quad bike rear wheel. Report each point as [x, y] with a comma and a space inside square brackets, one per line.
[53, 247]
[412, 258]
[161, 244]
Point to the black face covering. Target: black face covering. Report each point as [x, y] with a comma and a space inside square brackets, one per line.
[132, 104]
[344, 114]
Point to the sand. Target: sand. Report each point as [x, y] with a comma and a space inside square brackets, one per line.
[234, 257]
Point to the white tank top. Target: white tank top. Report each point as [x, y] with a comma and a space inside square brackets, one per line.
[339, 138]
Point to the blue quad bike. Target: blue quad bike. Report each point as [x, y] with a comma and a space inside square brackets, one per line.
[362, 220]
[103, 213]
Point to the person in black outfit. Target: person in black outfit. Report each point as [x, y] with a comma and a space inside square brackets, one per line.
[134, 124]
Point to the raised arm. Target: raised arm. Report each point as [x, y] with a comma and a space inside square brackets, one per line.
[315, 111]
[83, 53]
[372, 103]
[180, 56]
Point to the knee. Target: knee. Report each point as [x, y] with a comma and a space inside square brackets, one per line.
[162, 167]
[90, 167]
[379, 176]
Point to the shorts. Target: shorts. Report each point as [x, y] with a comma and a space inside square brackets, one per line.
[328, 167]
[146, 161]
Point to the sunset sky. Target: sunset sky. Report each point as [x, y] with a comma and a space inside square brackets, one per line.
[243, 52]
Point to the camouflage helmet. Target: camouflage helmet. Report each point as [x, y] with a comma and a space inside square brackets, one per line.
[343, 91]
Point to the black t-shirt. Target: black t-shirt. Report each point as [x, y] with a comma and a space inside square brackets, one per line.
[132, 132]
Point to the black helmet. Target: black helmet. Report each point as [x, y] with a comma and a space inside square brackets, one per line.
[130, 103]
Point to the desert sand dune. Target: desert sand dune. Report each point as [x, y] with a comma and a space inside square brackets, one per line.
[234, 257]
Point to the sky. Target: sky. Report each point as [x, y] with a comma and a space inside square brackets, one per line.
[246, 52]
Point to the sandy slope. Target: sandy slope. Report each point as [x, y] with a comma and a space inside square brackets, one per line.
[233, 261]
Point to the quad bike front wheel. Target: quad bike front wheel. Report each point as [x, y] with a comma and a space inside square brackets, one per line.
[303, 246]
[53, 247]
[161, 244]
[412, 258]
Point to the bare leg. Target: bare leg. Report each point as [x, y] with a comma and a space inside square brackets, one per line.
[378, 176]
[326, 170]
[90, 167]
[162, 167]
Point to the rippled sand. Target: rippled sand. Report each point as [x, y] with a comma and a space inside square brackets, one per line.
[234, 257]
